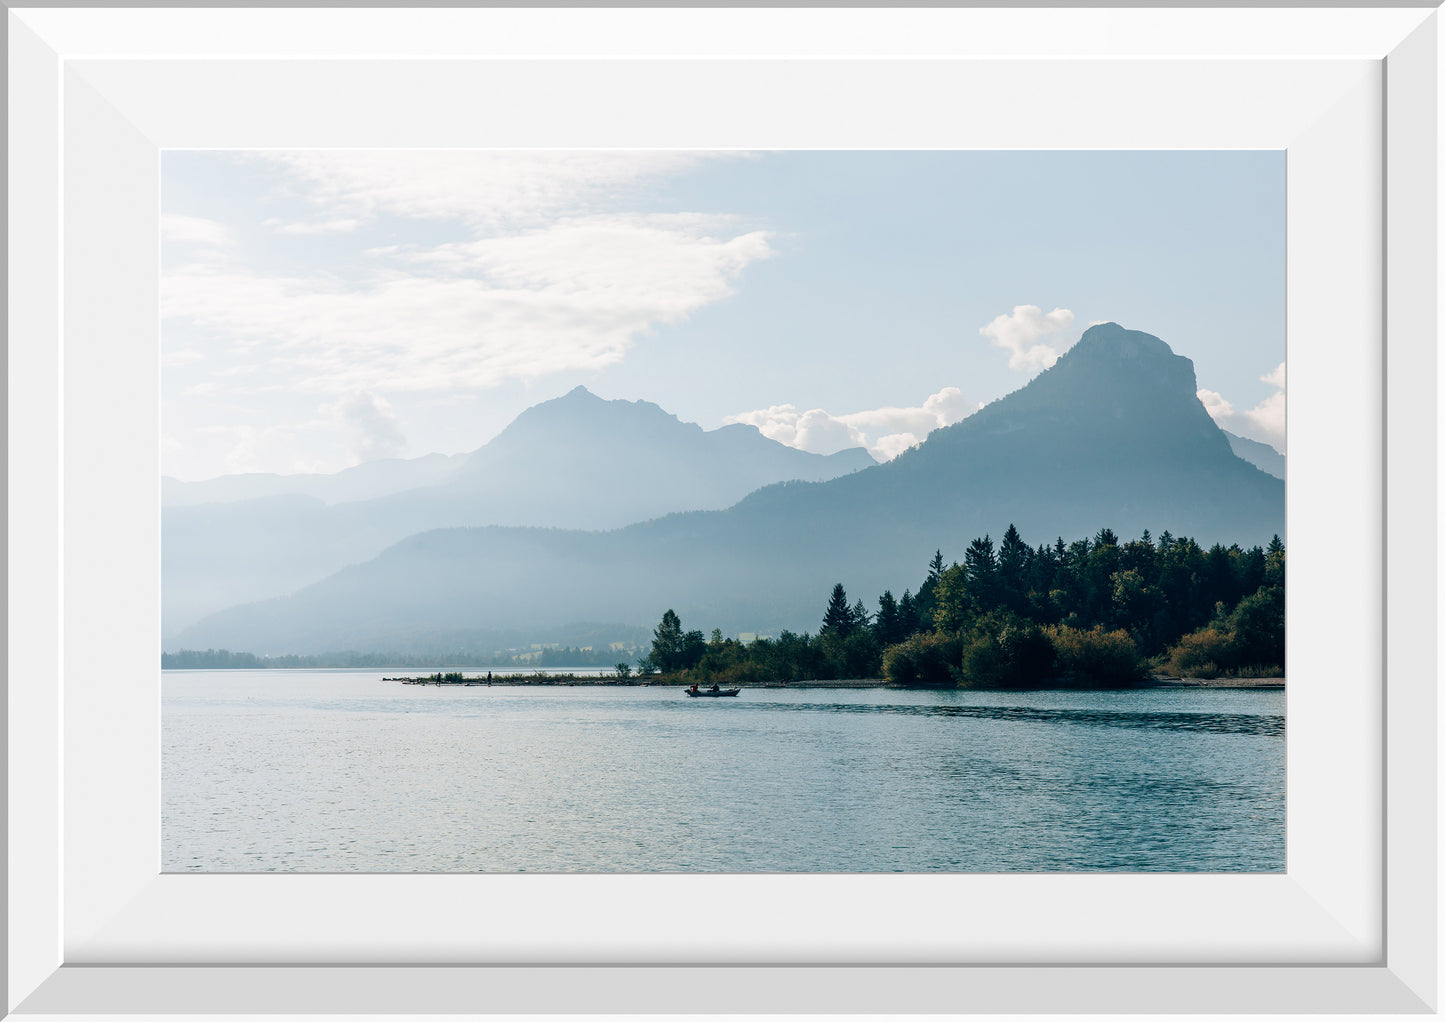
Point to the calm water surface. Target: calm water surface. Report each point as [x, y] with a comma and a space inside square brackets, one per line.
[331, 771]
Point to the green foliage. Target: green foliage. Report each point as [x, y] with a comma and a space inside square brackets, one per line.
[673, 649]
[927, 659]
[952, 607]
[890, 627]
[838, 618]
[624, 669]
[1249, 640]
[1257, 624]
[1085, 613]
[981, 573]
[1003, 650]
[1095, 657]
[1200, 653]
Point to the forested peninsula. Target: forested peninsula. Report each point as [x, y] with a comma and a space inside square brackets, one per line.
[1092, 613]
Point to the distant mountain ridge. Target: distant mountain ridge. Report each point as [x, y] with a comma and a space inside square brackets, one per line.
[576, 461]
[1261, 456]
[1112, 435]
[360, 482]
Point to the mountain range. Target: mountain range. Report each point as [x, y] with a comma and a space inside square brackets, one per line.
[1113, 435]
[1261, 456]
[575, 462]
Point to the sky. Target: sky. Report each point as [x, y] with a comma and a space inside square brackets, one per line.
[323, 308]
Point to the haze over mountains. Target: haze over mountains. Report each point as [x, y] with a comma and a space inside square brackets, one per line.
[1112, 435]
[577, 461]
[1261, 456]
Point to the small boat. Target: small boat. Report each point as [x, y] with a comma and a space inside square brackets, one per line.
[695, 691]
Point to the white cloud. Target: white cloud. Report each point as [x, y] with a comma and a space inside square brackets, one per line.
[194, 230]
[778, 422]
[572, 296]
[1264, 422]
[885, 432]
[319, 227]
[886, 448]
[822, 433]
[1215, 404]
[374, 428]
[1018, 333]
[482, 188]
[530, 266]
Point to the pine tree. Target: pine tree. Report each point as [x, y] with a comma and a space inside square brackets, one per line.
[838, 618]
[923, 603]
[981, 570]
[888, 625]
[1274, 563]
[907, 615]
[1013, 565]
[667, 643]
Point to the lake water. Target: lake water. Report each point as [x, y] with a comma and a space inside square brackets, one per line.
[339, 771]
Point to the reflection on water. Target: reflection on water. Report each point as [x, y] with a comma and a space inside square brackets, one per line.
[338, 771]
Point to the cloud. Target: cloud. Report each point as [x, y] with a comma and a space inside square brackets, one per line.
[1264, 422]
[885, 432]
[448, 272]
[1018, 333]
[572, 296]
[886, 448]
[375, 429]
[194, 230]
[1275, 377]
[820, 432]
[481, 188]
[319, 227]
[1215, 404]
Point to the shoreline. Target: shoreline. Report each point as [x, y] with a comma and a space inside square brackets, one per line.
[1260, 683]
[603, 681]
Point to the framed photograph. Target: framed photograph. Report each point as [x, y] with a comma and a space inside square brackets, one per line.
[100, 922]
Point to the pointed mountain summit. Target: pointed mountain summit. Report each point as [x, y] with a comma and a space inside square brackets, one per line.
[650, 462]
[577, 461]
[1112, 435]
[1115, 393]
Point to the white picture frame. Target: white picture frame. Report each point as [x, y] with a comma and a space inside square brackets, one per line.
[96, 94]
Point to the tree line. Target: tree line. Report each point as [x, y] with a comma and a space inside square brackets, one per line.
[1094, 612]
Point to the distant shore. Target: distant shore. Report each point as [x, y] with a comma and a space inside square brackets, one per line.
[611, 680]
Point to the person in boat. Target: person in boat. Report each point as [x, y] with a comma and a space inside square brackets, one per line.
[693, 690]
[714, 688]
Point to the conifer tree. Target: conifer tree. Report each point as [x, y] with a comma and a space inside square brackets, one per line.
[667, 642]
[981, 571]
[1013, 564]
[907, 615]
[888, 625]
[838, 618]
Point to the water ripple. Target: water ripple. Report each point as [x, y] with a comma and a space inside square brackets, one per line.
[1214, 723]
